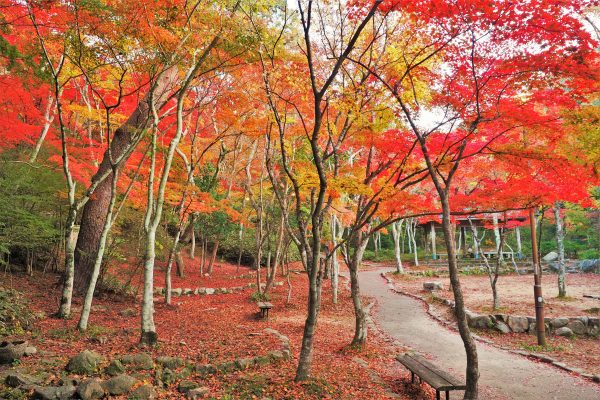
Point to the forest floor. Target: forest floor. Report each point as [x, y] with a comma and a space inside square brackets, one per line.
[220, 328]
[516, 298]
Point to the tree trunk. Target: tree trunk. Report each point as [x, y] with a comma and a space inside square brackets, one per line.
[314, 305]
[335, 263]
[149, 336]
[193, 245]
[95, 211]
[360, 326]
[89, 295]
[497, 234]
[396, 229]
[560, 245]
[519, 245]
[433, 242]
[213, 257]
[64, 310]
[180, 264]
[472, 373]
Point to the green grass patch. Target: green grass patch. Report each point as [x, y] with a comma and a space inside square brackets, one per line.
[542, 349]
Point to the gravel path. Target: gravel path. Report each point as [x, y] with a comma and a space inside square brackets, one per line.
[505, 374]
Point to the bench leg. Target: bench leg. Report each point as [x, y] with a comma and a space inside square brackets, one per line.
[437, 395]
[412, 377]
[447, 395]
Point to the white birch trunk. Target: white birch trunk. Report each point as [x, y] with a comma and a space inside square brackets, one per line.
[396, 230]
[433, 242]
[560, 245]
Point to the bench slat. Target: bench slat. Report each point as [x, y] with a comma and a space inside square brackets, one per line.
[264, 304]
[436, 378]
[451, 379]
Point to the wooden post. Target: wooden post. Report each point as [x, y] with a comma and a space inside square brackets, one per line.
[537, 288]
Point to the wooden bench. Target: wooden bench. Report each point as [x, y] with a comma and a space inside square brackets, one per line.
[440, 380]
[264, 308]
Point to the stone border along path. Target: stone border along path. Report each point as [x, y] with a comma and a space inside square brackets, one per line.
[453, 326]
[159, 290]
[501, 372]
[125, 378]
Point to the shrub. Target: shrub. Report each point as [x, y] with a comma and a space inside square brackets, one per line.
[15, 314]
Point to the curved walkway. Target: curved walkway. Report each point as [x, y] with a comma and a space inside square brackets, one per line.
[502, 373]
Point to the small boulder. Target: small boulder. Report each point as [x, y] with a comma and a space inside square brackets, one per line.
[564, 331]
[159, 290]
[169, 362]
[84, 363]
[53, 393]
[244, 363]
[210, 291]
[185, 386]
[128, 312]
[144, 392]
[276, 355]
[138, 361]
[90, 389]
[556, 323]
[518, 324]
[115, 367]
[552, 256]
[176, 292]
[481, 322]
[188, 291]
[119, 385]
[11, 351]
[578, 327]
[501, 327]
[431, 286]
[14, 380]
[197, 393]
[166, 377]
[29, 351]
[205, 369]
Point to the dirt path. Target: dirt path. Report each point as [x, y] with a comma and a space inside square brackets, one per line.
[508, 375]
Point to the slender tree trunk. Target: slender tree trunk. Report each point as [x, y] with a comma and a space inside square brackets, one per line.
[335, 263]
[497, 234]
[472, 372]
[213, 257]
[519, 245]
[560, 237]
[396, 230]
[70, 238]
[48, 118]
[433, 242]
[413, 238]
[360, 326]
[193, 245]
[149, 336]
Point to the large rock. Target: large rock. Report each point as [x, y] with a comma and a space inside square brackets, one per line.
[84, 363]
[564, 331]
[431, 286]
[578, 327]
[185, 386]
[144, 392]
[16, 379]
[552, 256]
[12, 351]
[589, 265]
[518, 324]
[139, 361]
[198, 393]
[115, 367]
[53, 393]
[128, 312]
[480, 322]
[90, 389]
[559, 322]
[169, 362]
[119, 385]
[501, 327]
